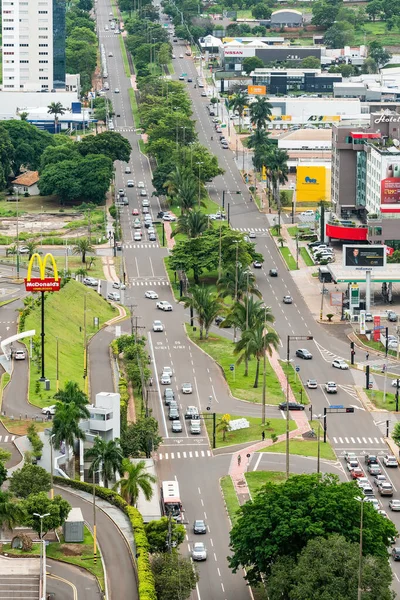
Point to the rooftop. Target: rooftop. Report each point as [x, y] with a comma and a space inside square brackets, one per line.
[323, 135]
[27, 179]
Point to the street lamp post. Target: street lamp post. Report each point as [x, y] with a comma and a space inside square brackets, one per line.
[199, 163]
[264, 369]
[51, 467]
[94, 519]
[57, 367]
[42, 555]
[359, 590]
[319, 440]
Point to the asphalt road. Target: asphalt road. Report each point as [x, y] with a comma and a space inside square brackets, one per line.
[65, 580]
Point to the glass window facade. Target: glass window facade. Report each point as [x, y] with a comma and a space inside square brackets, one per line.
[361, 179]
[59, 8]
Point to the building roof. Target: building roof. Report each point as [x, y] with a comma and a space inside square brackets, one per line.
[287, 10]
[27, 179]
[323, 135]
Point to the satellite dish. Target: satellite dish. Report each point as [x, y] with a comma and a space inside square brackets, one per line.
[396, 143]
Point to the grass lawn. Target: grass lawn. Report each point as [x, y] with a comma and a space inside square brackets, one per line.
[306, 257]
[74, 263]
[35, 204]
[293, 231]
[221, 350]
[231, 501]
[304, 448]
[289, 259]
[375, 345]
[376, 396]
[257, 479]
[64, 314]
[134, 107]
[124, 56]
[142, 147]
[159, 229]
[171, 275]
[251, 434]
[20, 426]
[295, 383]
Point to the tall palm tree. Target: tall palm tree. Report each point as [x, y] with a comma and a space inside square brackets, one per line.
[260, 112]
[258, 139]
[187, 195]
[136, 479]
[278, 173]
[82, 247]
[72, 394]
[66, 426]
[255, 342]
[11, 511]
[31, 245]
[206, 305]
[236, 282]
[56, 108]
[176, 179]
[106, 457]
[192, 224]
[238, 103]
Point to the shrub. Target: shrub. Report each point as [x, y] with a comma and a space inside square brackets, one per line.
[35, 441]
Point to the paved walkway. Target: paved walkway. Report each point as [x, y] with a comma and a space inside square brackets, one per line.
[168, 231]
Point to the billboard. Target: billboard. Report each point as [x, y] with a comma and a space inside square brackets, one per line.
[42, 283]
[390, 185]
[311, 184]
[364, 257]
[257, 90]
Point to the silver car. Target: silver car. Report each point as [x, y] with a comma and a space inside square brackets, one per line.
[199, 551]
[187, 388]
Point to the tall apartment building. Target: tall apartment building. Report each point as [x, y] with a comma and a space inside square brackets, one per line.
[33, 45]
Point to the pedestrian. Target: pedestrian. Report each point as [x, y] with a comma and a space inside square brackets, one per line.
[263, 435]
[239, 460]
[367, 356]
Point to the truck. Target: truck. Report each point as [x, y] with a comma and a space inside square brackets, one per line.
[149, 509]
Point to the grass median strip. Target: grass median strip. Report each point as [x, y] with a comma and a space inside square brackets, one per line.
[221, 350]
[288, 258]
[303, 448]
[387, 402]
[295, 383]
[124, 56]
[134, 107]
[230, 497]
[250, 434]
[306, 257]
[257, 479]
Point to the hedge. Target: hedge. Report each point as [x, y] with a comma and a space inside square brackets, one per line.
[146, 585]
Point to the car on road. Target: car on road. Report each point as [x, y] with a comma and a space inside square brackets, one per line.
[116, 91]
[145, 203]
[339, 363]
[303, 353]
[252, 235]
[151, 294]
[181, 78]
[173, 413]
[187, 388]
[49, 410]
[383, 513]
[137, 237]
[390, 461]
[143, 193]
[189, 80]
[371, 459]
[379, 479]
[169, 217]
[385, 488]
[219, 320]
[312, 384]
[199, 551]
[257, 264]
[225, 145]
[356, 473]
[292, 406]
[140, 185]
[373, 501]
[165, 379]
[195, 427]
[353, 464]
[394, 382]
[273, 272]
[19, 355]
[128, 169]
[114, 296]
[158, 326]
[130, 183]
[374, 469]
[167, 370]
[204, 94]
[331, 387]
[199, 526]
[363, 481]
[160, 214]
[23, 250]
[169, 396]
[367, 490]
[349, 456]
[135, 212]
[192, 412]
[152, 237]
[287, 299]
[394, 504]
[396, 553]
[176, 426]
[164, 305]
[118, 286]
[392, 316]
[92, 281]
[181, 55]
[369, 318]
[137, 224]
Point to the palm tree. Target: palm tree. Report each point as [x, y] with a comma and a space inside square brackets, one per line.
[83, 246]
[11, 512]
[260, 112]
[236, 282]
[66, 426]
[187, 195]
[106, 457]
[136, 479]
[258, 139]
[11, 250]
[72, 394]
[31, 245]
[23, 116]
[176, 179]
[224, 426]
[206, 304]
[238, 103]
[255, 342]
[278, 170]
[56, 108]
[81, 273]
[192, 224]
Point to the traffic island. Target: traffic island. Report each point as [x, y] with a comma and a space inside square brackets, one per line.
[253, 433]
[302, 447]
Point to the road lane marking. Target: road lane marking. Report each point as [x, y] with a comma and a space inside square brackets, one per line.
[158, 385]
[257, 462]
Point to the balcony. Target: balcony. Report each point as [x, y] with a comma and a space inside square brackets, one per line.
[346, 230]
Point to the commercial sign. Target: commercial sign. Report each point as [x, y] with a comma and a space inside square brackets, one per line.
[354, 296]
[364, 258]
[377, 328]
[390, 186]
[336, 298]
[42, 283]
[362, 322]
[311, 184]
[257, 90]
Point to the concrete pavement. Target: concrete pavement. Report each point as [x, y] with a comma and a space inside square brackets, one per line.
[64, 580]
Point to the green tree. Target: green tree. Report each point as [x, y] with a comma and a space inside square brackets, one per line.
[255, 342]
[396, 433]
[11, 512]
[339, 34]
[282, 518]
[158, 533]
[31, 245]
[236, 282]
[277, 171]
[141, 438]
[106, 457]
[136, 480]
[187, 194]
[260, 112]
[60, 179]
[261, 11]
[191, 224]
[311, 62]
[85, 5]
[205, 304]
[82, 247]
[238, 103]
[56, 109]
[72, 394]
[164, 55]
[57, 509]
[30, 479]
[224, 425]
[258, 139]
[55, 154]
[374, 9]
[324, 14]
[251, 63]
[83, 34]
[109, 143]
[172, 572]
[66, 426]
[6, 156]
[378, 53]
[28, 142]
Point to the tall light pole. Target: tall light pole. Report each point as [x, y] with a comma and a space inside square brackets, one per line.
[359, 590]
[264, 369]
[17, 236]
[199, 163]
[85, 354]
[42, 555]
[94, 520]
[319, 440]
[51, 467]
[57, 368]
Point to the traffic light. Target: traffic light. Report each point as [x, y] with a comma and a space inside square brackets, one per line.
[349, 409]
[352, 345]
[367, 377]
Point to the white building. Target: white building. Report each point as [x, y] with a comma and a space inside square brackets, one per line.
[104, 420]
[33, 45]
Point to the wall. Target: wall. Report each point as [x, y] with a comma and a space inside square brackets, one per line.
[312, 183]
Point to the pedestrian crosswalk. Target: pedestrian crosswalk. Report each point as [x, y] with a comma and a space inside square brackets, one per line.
[188, 454]
[247, 229]
[147, 283]
[7, 438]
[349, 389]
[126, 129]
[133, 246]
[362, 441]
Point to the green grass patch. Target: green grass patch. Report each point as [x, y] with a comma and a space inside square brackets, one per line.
[375, 345]
[36, 204]
[20, 426]
[377, 397]
[5, 378]
[289, 259]
[159, 229]
[142, 147]
[221, 350]
[295, 383]
[274, 231]
[134, 107]
[257, 479]
[173, 279]
[124, 56]
[304, 448]
[306, 257]
[74, 263]
[230, 497]
[293, 231]
[251, 434]
[64, 318]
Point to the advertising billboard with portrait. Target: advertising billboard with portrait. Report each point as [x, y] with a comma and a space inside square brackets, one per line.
[390, 184]
[364, 257]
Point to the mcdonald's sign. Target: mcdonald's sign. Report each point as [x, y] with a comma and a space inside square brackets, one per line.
[42, 283]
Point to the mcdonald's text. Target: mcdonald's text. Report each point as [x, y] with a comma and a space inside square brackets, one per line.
[49, 284]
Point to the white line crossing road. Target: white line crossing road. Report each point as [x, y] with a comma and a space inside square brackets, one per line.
[140, 246]
[349, 389]
[148, 283]
[185, 454]
[7, 438]
[366, 442]
[247, 229]
[327, 355]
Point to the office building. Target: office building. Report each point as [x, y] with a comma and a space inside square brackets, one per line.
[33, 45]
[287, 81]
[233, 53]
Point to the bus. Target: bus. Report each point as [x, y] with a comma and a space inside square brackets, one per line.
[171, 500]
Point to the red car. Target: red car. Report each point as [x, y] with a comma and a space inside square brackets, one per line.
[135, 211]
[356, 473]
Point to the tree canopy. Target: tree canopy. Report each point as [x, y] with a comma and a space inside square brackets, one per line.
[30, 479]
[58, 510]
[158, 533]
[109, 143]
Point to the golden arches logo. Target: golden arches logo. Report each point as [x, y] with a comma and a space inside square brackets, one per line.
[42, 265]
[42, 283]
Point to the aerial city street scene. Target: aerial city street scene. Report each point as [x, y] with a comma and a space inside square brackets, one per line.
[199, 300]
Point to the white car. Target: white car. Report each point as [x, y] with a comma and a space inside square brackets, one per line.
[130, 183]
[165, 379]
[116, 91]
[19, 355]
[167, 370]
[187, 388]
[353, 464]
[164, 305]
[114, 296]
[137, 236]
[312, 384]
[169, 217]
[390, 460]
[394, 381]
[150, 294]
[339, 363]
[158, 326]
[110, 54]
[127, 169]
[199, 551]
[140, 184]
[252, 235]
[92, 281]
[49, 410]
[331, 387]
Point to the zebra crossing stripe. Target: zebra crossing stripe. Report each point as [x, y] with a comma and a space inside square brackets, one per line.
[6, 439]
[184, 455]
